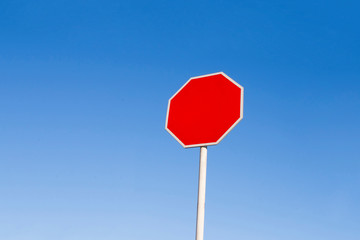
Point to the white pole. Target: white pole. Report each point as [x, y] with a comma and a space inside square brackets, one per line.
[201, 195]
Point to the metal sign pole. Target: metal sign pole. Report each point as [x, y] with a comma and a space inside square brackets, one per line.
[200, 217]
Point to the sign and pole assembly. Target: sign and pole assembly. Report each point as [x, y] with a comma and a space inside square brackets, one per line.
[204, 110]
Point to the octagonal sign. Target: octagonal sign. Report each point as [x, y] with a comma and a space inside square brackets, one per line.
[205, 110]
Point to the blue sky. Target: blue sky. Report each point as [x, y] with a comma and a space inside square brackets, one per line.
[84, 87]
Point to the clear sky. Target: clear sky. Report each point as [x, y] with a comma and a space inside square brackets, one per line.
[84, 87]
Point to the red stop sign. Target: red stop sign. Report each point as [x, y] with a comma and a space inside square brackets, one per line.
[205, 110]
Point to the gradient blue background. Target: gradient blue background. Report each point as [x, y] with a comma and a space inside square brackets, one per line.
[84, 87]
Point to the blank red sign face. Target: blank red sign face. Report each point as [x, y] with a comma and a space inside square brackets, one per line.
[204, 110]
